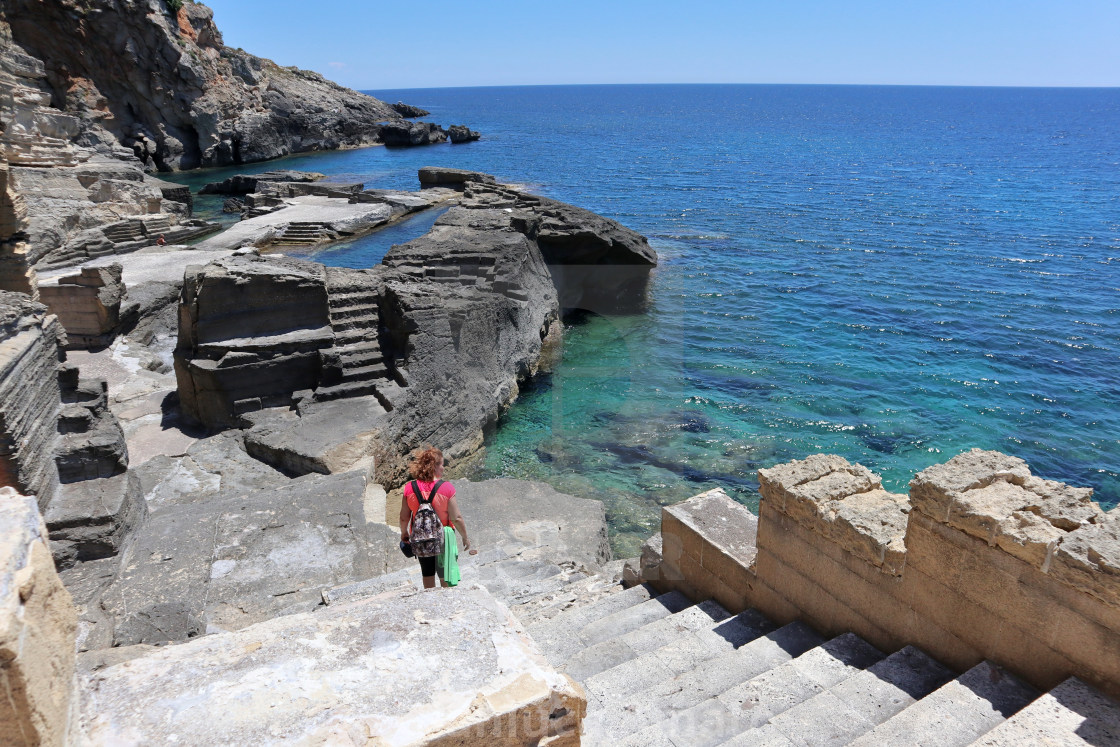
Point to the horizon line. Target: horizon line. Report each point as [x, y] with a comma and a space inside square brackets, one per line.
[851, 85]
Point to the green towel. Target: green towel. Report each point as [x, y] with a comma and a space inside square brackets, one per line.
[448, 560]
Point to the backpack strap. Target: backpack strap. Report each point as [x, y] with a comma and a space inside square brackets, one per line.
[435, 489]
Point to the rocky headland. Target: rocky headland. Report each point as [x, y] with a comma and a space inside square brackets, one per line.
[94, 96]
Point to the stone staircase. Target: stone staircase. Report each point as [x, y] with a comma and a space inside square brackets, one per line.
[659, 670]
[124, 232]
[355, 320]
[305, 234]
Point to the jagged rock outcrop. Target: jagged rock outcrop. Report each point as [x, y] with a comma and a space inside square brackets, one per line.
[163, 83]
[462, 134]
[243, 184]
[58, 440]
[29, 396]
[67, 193]
[408, 110]
[412, 133]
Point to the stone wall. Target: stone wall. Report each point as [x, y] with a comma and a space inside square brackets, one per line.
[87, 304]
[982, 561]
[29, 396]
[250, 332]
[37, 627]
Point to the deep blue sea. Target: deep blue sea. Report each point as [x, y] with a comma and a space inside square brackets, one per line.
[892, 274]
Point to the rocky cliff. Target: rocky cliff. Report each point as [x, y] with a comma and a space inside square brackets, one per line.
[164, 85]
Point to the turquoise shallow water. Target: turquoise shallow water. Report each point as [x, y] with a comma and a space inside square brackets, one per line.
[891, 274]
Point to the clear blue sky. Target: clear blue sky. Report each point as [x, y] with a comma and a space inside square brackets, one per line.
[373, 44]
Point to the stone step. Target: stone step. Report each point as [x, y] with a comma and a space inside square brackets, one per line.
[346, 389]
[351, 310]
[406, 577]
[857, 705]
[576, 618]
[751, 703]
[630, 645]
[354, 335]
[366, 356]
[677, 655]
[366, 323]
[560, 649]
[957, 713]
[573, 595]
[618, 717]
[389, 393]
[1073, 713]
[516, 579]
[365, 373]
[338, 295]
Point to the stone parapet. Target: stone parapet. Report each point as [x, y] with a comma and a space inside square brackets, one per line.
[843, 502]
[447, 668]
[1053, 527]
[37, 628]
[982, 561]
[707, 549]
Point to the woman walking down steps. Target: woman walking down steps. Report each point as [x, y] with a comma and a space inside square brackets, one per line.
[426, 469]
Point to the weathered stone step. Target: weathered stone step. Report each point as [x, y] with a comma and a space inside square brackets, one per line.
[389, 393]
[363, 357]
[561, 648]
[677, 655]
[577, 618]
[630, 645]
[470, 565]
[573, 595]
[353, 335]
[1073, 713]
[856, 705]
[358, 309]
[957, 713]
[346, 389]
[516, 579]
[365, 373]
[345, 295]
[365, 322]
[620, 717]
[752, 703]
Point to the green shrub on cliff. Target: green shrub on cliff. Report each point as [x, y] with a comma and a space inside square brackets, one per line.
[175, 6]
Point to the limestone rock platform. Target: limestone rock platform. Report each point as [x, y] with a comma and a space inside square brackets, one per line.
[410, 668]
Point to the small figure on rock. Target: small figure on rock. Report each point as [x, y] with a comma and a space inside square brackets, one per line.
[161, 241]
[429, 518]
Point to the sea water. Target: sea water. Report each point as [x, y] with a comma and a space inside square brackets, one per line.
[891, 274]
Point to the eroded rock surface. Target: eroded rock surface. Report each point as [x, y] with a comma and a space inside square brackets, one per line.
[490, 684]
[37, 626]
[165, 85]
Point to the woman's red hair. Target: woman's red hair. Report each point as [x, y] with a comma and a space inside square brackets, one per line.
[425, 462]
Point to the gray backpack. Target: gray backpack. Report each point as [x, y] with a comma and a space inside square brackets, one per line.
[426, 533]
